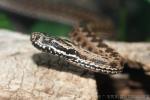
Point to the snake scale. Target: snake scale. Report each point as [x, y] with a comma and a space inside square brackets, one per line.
[85, 50]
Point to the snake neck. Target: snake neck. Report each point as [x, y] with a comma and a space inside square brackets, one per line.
[90, 41]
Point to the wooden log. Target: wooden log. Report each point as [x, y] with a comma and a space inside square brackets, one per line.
[25, 73]
[136, 54]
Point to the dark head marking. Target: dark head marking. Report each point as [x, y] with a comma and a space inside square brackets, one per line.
[71, 51]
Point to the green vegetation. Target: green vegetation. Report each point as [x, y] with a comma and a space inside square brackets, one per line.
[5, 21]
[52, 28]
[132, 18]
[122, 24]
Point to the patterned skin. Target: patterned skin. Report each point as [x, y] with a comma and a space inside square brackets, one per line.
[90, 53]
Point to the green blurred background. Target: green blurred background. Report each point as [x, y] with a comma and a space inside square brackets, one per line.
[132, 20]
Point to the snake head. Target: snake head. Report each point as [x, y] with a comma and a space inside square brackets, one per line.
[40, 41]
[53, 45]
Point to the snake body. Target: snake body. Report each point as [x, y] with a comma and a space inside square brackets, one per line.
[90, 53]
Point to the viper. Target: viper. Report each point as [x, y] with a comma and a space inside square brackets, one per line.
[84, 50]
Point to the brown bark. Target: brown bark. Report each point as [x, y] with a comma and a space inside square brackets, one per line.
[136, 55]
[26, 73]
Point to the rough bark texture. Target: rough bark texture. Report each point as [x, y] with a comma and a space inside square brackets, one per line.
[136, 55]
[26, 73]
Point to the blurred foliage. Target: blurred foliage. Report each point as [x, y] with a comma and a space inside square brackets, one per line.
[5, 21]
[52, 28]
[133, 19]
[122, 24]
[148, 1]
[138, 21]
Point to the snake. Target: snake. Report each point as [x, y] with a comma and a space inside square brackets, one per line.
[84, 50]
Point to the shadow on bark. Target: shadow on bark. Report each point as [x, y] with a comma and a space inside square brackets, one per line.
[106, 85]
[139, 76]
[57, 63]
